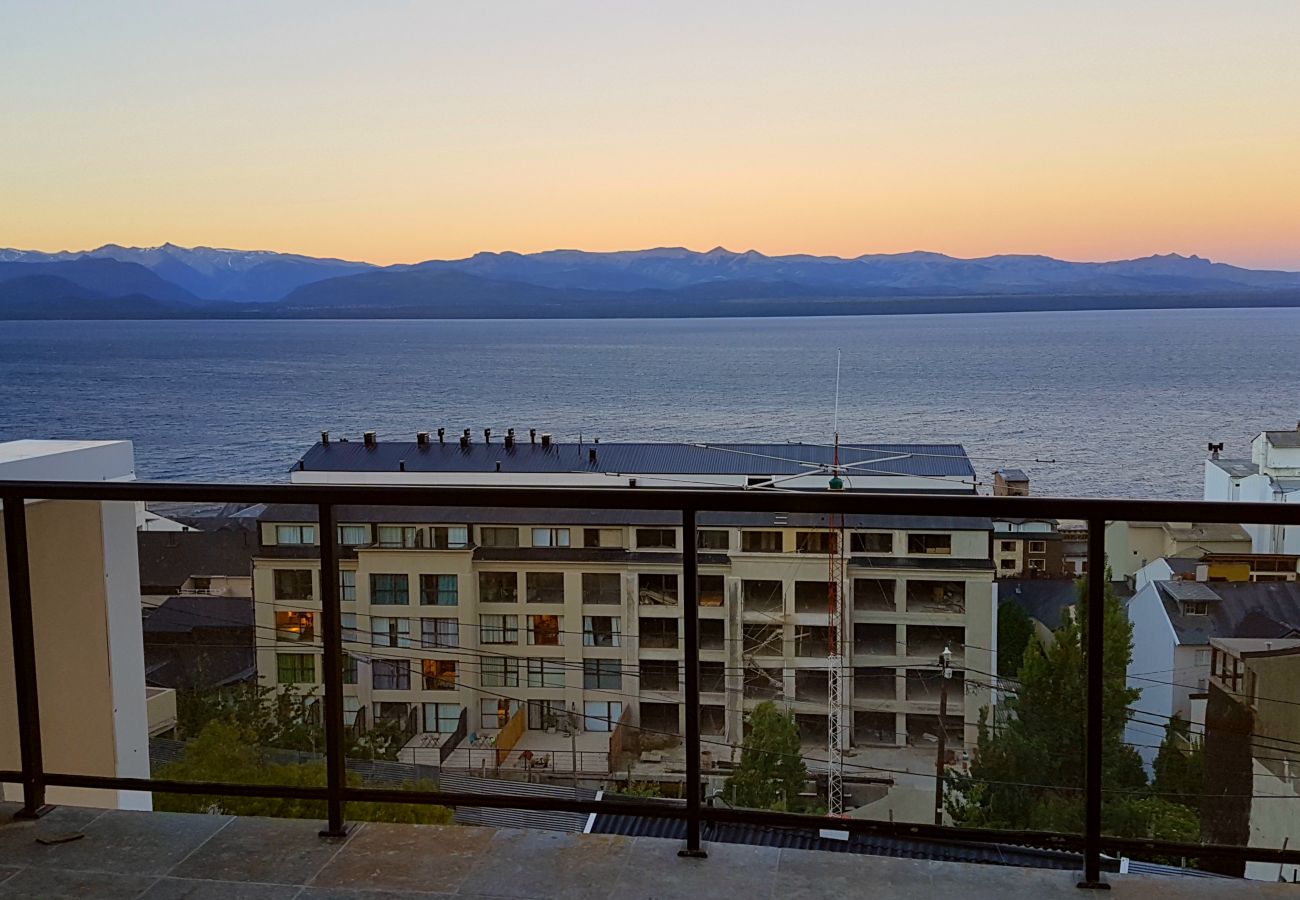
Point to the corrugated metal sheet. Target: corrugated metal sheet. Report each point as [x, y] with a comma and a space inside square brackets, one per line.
[516, 818]
[934, 460]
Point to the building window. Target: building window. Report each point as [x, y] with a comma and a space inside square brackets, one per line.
[601, 716]
[544, 631]
[1008, 546]
[1202, 657]
[452, 537]
[823, 542]
[351, 708]
[386, 631]
[439, 590]
[496, 713]
[294, 626]
[438, 674]
[602, 588]
[498, 671]
[349, 669]
[295, 668]
[602, 537]
[1038, 565]
[550, 537]
[600, 631]
[348, 622]
[711, 589]
[498, 587]
[1006, 564]
[762, 541]
[602, 674]
[656, 539]
[403, 537]
[442, 718]
[657, 589]
[659, 675]
[292, 584]
[435, 633]
[295, 534]
[713, 539]
[499, 537]
[1038, 546]
[498, 629]
[544, 587]
[546, 673]
[392, 712]
[872, 542]
[658, 634]
[389, 590]
[352, 535]
[1196, 608]
[543, 714]
[940, 544]
[390, 674]
[348, 585]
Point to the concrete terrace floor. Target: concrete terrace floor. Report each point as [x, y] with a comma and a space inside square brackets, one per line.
[168, 856]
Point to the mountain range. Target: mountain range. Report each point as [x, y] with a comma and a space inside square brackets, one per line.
[204, 282]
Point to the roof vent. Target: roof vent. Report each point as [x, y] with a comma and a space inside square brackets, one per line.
[498, 465]
[464, 440]
[510, 438]
[401, 465]
[442, 435]
[1215, 450]
[487, 435]
[369, 438]
[301, 465]
[591, 456]
[422, 438]
[324, 437]
[532, 435]
[631, 482]
[546, 440]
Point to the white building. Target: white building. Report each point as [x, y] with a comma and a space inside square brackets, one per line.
[85, 589]
[1271, 475]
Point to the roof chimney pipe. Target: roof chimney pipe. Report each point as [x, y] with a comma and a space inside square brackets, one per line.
[422, 438]
[442, 435]
[546, 440]
[510, 438]
[487, 435]
[532, 435]
[324, 437]
[591, 456]
[1215, 450]
[464, 440]
[369, 439]
[401, 465]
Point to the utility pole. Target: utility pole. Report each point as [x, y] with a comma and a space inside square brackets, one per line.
[573, 744]
[944, 658]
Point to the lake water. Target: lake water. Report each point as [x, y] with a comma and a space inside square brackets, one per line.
[1089, 403]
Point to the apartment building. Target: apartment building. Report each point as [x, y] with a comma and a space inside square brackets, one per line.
[1271, 475]
[565, 613]
[1132, 545]
[1028, 548]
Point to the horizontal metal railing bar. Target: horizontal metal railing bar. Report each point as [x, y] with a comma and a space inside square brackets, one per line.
[720, 500]
[1050, 840]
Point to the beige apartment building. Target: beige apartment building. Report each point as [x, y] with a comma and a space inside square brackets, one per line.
[578, 614]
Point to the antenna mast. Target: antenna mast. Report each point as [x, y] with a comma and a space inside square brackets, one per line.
[834, 598]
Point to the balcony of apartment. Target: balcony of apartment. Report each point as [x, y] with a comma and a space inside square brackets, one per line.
[924, 688]
[136, 853]
[928, 642]
[762, 600]
[936, 598]
[160, 706]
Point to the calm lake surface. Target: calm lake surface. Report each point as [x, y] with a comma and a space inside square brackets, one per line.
[1112, 403]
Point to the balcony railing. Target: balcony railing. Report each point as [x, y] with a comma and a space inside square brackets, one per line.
[35, 778]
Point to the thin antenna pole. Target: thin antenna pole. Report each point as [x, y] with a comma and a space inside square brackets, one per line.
[835, 424]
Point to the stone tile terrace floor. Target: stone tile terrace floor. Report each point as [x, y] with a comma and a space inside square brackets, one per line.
[167, 856]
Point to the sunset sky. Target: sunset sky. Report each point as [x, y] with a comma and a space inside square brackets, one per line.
[395, 132]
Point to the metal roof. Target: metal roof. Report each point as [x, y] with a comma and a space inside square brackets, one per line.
[1237, 468]
[1044, 599]
[169, 558]
[1287, 440]
[867, 460]
[1263, 609]
[1189, 590]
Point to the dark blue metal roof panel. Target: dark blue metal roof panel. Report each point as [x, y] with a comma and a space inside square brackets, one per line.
[930, 460]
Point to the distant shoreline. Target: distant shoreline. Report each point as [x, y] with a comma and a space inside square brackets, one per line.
[725, 309]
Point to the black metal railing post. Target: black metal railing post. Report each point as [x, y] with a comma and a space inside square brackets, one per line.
[1094, 653]
[23, 633]
[691, 634]
[332, 635]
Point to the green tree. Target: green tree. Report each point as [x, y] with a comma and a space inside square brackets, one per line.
[1015, 631]
[771, 772]
[1028, 768]
[1179, 766]
[222, 753]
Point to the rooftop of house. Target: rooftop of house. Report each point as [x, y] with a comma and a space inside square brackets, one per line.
[144, 854]
[169, 558]
[1237, 468]
[1252, 646]
[1239, 609]
[1285, 440]
[1012, 474]
[1044, 599]
[923, 460]
[500, 515]
[191, 612]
